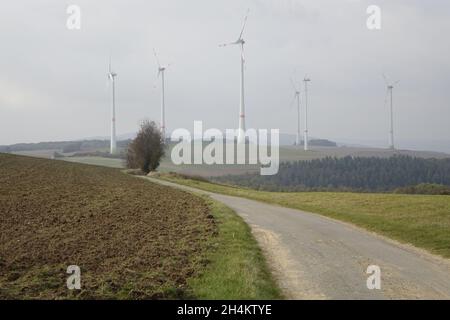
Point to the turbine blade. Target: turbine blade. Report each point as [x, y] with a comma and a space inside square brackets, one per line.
[293, 100]
[386, 98]
[228, 44]
[293, 85]
[156, 57]
[243, 25]
[385, 80]
[155, 82]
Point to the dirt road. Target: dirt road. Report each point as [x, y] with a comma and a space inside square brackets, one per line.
[314, 257]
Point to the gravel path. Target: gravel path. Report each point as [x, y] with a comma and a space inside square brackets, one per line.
[314, 257]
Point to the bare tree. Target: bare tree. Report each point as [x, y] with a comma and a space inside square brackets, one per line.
[147, 149]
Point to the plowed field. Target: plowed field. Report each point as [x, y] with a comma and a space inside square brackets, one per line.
[131, 238]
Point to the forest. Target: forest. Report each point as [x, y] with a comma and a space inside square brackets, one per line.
[371, 174]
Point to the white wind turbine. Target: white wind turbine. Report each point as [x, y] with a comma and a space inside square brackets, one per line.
[306, 80]
[161, 72]
[240, 41]
[297, 99]
[111, 77]
[390, 87]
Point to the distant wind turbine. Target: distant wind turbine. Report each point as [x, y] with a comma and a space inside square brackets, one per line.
[111, 77]
[161, 72]
[240, 41]
[306, 80]
[390, 87]
[297, 99]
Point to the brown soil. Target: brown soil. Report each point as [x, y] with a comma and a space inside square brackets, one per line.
[131, 238]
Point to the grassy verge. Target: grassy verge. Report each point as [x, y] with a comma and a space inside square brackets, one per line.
[421, 220]
[236, 268]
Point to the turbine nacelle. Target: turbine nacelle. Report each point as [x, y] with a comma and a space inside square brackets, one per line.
[389, 85]
[160, 70]
[237, 42]
[111, 75]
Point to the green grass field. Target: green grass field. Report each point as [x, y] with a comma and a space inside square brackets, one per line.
[236, 268]
[421, 220]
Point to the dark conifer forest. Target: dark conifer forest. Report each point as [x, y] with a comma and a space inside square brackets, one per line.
[350, 174]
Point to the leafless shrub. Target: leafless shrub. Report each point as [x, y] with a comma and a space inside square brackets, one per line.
[147, 149]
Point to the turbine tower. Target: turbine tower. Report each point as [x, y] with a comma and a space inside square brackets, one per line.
[111, 77]
[240, 41]
[297, 99]
[161, 72]
[390, 87]
[306, 80]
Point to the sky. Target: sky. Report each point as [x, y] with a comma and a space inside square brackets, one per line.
[53, 81]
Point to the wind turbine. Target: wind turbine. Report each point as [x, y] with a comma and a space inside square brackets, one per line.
[240, 41]
[161, 72]
[111, 77]
[306, 80]
[297, 98]
[390, 87]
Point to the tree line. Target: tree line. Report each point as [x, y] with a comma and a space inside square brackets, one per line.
[367, 174]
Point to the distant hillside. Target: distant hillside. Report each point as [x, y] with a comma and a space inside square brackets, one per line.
[320, 143]
[63, 146]
[289, 140]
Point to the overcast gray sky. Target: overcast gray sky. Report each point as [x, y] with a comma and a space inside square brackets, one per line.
[53, 80]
